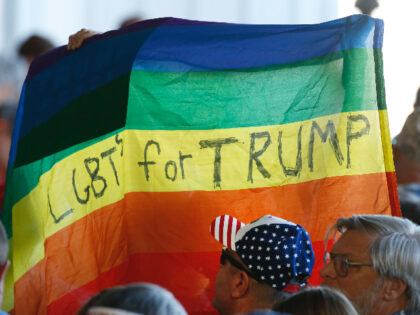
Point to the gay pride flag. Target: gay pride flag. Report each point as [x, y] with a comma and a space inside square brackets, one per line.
[125, 150]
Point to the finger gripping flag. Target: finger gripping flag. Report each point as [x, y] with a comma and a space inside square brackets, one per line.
[126, 149]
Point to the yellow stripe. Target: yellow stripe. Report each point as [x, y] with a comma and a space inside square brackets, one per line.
[100, 177]
[386, 141]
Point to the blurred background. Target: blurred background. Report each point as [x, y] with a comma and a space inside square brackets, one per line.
[56, 20]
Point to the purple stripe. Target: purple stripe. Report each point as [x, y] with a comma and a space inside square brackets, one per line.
[52, 56]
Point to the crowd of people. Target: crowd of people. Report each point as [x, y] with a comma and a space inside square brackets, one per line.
[374, 264]
[372, 267]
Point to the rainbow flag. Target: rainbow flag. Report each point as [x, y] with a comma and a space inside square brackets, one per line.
[125, 150]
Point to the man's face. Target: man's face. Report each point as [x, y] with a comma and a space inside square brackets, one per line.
[222, 301]
[362, 285]
[221, 287]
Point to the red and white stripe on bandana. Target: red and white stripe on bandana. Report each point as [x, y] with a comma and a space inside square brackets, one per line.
[224, 229]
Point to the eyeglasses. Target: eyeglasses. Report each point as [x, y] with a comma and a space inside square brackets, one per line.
[341, 263]
[225, 256]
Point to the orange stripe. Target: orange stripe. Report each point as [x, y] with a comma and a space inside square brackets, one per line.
[179, 222]
[30, 294]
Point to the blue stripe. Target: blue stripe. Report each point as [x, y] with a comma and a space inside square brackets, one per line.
[233, 46]
[54, 55]
[379, 33]
[76, 74]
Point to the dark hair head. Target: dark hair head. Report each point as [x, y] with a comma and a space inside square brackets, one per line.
[34, 46]
[130, 20]
[314, 301]
[144, 298]
[417, 102]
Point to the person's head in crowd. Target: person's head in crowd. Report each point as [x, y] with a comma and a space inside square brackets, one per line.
[34, 46]
[130, 20]
[417, 101]
[4, 262]
[316, 301]
[262, 262]
[376, 263]
[136, 298]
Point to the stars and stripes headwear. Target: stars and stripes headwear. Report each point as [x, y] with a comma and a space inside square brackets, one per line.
[278, 252]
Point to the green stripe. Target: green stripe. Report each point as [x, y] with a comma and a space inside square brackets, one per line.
[339, 82]
[380, 82]
[89, 116]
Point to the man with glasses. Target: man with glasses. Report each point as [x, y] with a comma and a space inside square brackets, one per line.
[376, 264]
[262, 262]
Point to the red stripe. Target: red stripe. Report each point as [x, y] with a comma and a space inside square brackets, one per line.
[238, 226]
[167, 270]
[315, 278]
[212, 226]
[393, 194]
[221, 226]
[229, 232]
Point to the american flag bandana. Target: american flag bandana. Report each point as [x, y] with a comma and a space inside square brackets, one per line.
[277, 251]
[224, 229]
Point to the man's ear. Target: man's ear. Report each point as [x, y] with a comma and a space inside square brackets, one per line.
[240, 284]
[394, 288]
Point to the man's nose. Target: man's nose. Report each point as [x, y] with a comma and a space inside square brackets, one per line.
[328, 271]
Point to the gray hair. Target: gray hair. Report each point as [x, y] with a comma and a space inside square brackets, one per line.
[143, 298]
[317, 300]
[4, 245]
[395, 251]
